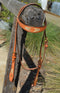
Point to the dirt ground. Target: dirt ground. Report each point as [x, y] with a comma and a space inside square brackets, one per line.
[3, 58]
[53, 19]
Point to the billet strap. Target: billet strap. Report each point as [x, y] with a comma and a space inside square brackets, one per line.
[11, 74]
[40, 56]
[32, 30]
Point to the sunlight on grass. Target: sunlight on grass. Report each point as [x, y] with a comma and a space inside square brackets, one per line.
[52, 64]
[6, 35]
[53, 34]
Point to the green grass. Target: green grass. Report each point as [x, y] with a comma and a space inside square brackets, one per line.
[33, 42]
[6, 15]
[53, 34]
[52, 64]
[52, 79]
[6, 35]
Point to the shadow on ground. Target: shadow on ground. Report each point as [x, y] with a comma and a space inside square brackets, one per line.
[2, 44]
[27, 84]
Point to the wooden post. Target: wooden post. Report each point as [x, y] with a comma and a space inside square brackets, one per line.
[32, 16]
[12, 5]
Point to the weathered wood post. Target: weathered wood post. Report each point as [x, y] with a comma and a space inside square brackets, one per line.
[32, 16]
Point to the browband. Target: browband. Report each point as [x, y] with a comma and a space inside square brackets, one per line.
[27, 28]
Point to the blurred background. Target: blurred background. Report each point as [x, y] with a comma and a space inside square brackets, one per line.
[52, 60]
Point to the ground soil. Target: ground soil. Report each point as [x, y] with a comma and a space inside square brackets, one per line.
[3, 58]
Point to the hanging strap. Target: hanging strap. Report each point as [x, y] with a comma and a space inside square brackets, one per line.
[40, 56]
[28, 29]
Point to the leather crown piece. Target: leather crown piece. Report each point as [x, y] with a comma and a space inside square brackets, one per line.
[30, 28]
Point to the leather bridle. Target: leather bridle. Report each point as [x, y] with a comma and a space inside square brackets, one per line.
[32, 30]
